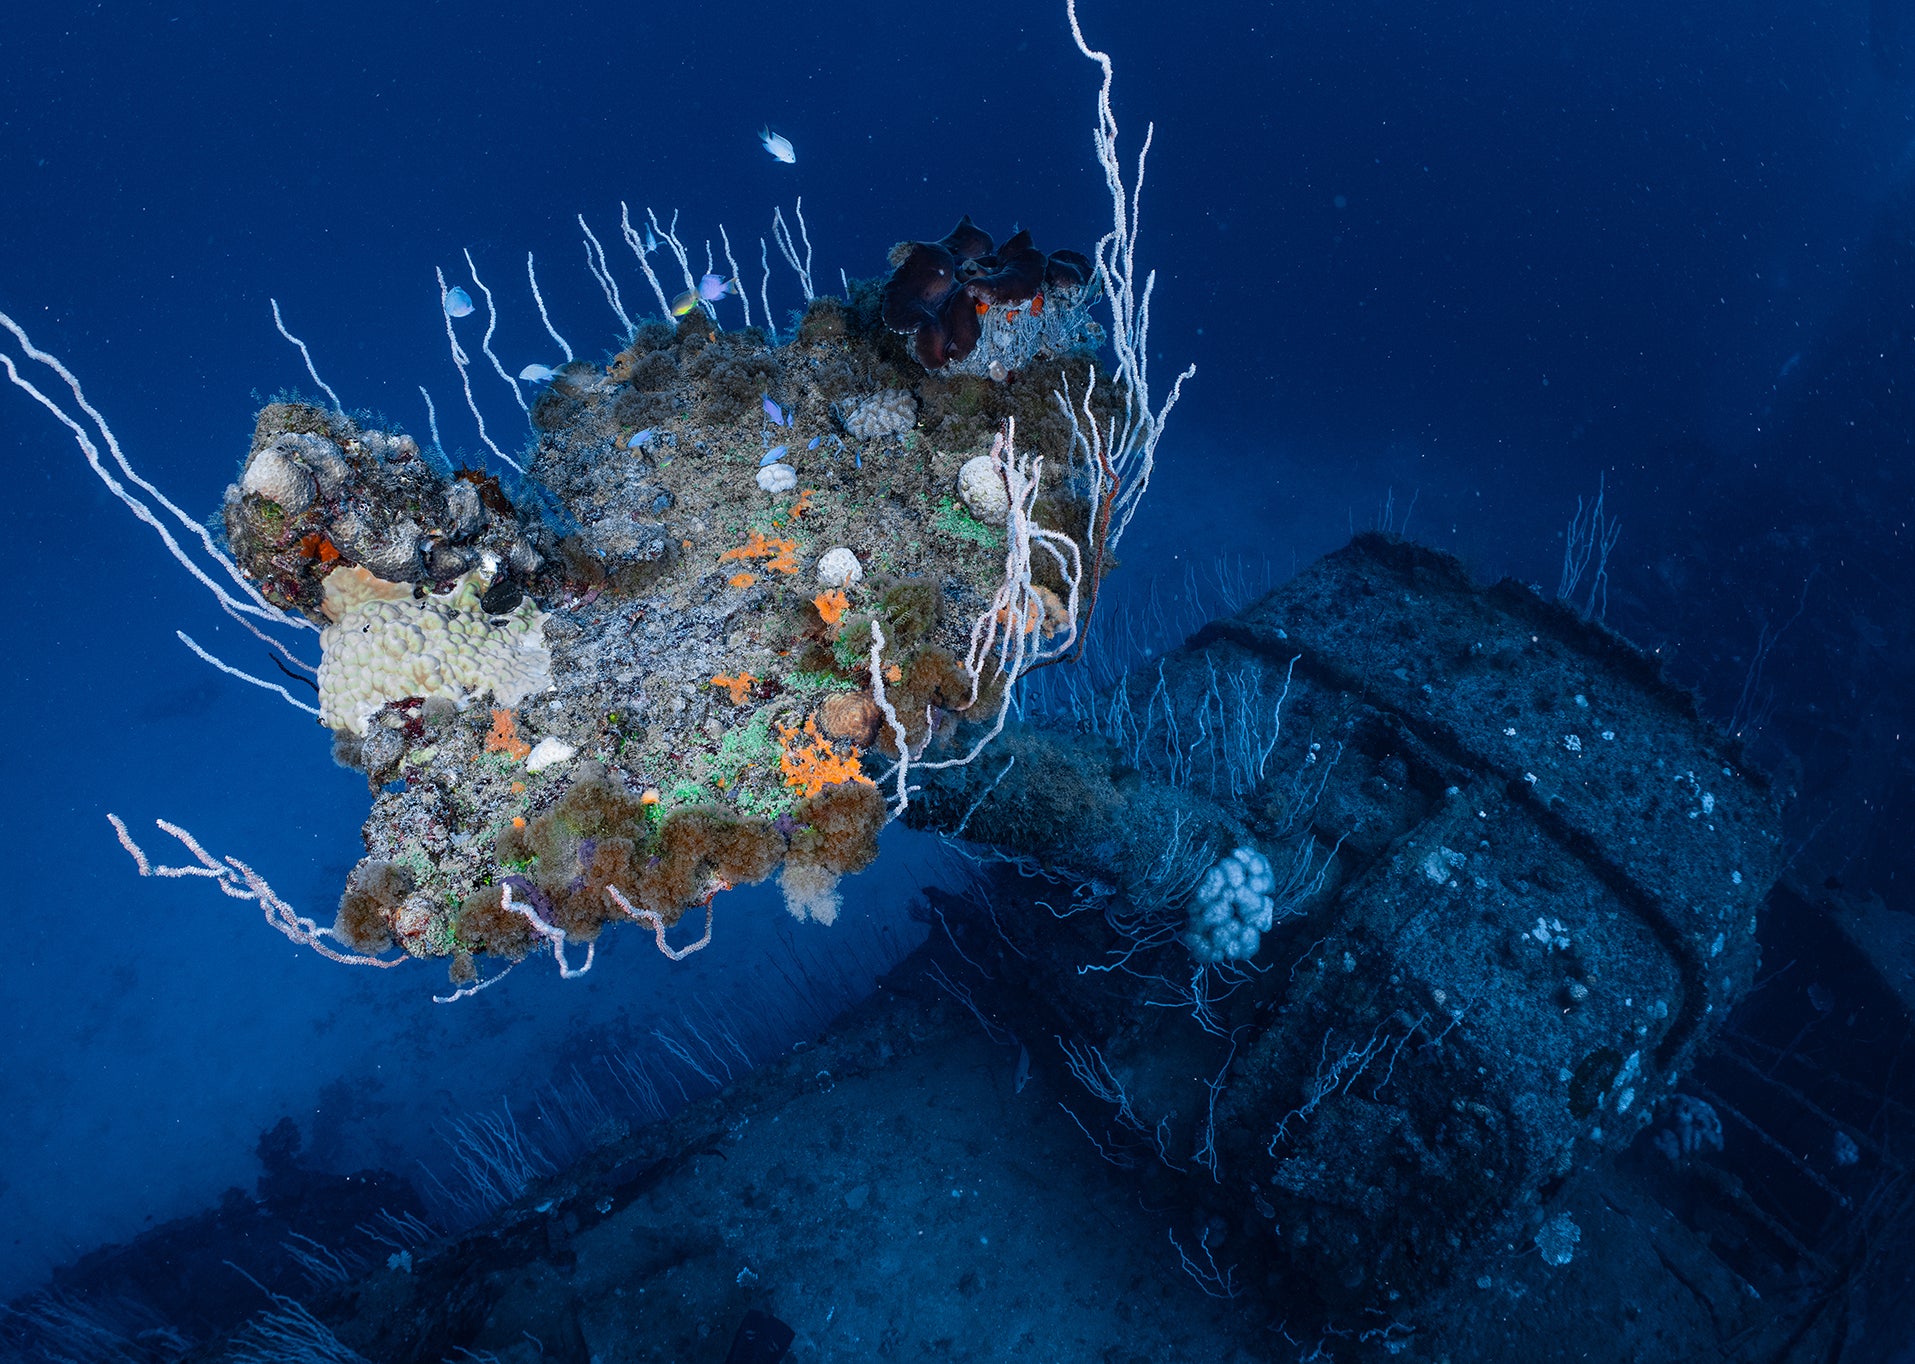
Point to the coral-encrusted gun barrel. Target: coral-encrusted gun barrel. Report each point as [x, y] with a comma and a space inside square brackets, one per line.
[646, 668]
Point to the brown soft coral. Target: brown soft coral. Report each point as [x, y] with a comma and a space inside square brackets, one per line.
[372, 897]
[936, 679]
[838, 827]
[598, 807]
[483, 924]
[699, 851]
[582, 907]
[600, 836]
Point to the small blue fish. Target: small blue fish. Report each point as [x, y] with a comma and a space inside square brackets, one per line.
[779, 146]
[711, 288]
[814, 442]
[772, 456]
[538, 374]
[458, 302]
[777, 414]
[639, 438]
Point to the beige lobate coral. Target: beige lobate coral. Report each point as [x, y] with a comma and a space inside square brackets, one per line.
[385, 645]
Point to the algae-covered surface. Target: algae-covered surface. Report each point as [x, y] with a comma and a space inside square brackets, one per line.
[716, 699]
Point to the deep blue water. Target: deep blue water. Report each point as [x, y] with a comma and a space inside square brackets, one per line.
[1478, 255]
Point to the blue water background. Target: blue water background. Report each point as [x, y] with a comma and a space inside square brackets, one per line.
[1477, 255]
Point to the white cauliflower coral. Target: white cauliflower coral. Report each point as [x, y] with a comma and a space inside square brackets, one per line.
[1232, 909]
[385, 645]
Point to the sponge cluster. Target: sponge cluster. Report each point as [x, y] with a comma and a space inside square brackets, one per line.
[380, 651]
[1232, 909]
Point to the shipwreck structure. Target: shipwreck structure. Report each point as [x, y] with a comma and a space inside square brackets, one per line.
[1514, 889]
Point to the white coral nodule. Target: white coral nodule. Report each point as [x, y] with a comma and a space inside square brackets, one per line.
[777, 478]
[890, 413]
[839, 567]
[981, 485]
[548, 752]
[280, 479]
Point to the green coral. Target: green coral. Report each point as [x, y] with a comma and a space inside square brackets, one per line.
[414, 859]
[765, 805]
[813, 684]
[749, 744]
[953, 519]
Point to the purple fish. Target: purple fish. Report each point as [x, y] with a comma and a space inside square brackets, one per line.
[712, 288]
[777, 414]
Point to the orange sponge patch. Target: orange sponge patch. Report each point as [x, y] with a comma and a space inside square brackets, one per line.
[810, 763]
[780, 555]
[831, 605]
[739, 686]
[504, 737]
